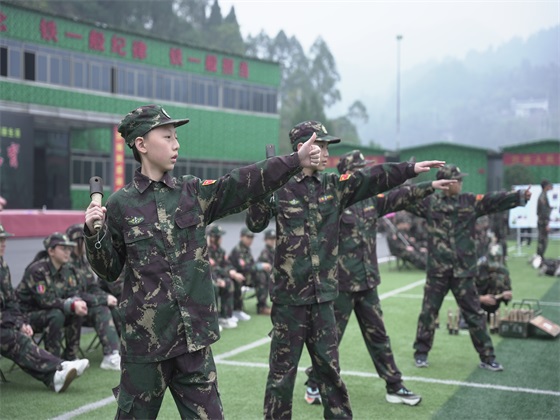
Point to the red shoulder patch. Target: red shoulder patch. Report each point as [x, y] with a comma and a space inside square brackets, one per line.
[479, 197]
[208, 182]
[344, 177]
[380, 195]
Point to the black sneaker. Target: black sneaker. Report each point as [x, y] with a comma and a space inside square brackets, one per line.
[421, 361]
[491, 366]
[403, 396]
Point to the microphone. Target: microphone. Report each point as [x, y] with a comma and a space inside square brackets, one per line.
[96, 194]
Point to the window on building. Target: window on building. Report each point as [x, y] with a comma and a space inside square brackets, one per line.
[42, 68]
[29, 65]
[3, 61]
[78, 74]
[14, 63]
[50, 65]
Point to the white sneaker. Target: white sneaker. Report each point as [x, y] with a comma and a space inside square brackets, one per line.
[227, 323]
[241, 316]
[537, 262]
[232, 320]
[63, 378]
[111, 361]
[79, 364]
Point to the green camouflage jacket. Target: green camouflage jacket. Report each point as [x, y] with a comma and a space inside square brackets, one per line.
[451, 224]
[243, 262]
[267, 255]
[219, 263]
[10, 313]
[357, 253]
[158, 230]
[90, 290]
[307, 211]
[45, 287]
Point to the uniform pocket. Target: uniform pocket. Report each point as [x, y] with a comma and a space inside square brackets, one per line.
[138, 240]
[125, 401]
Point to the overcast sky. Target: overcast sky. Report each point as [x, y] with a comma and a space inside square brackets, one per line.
[362, 34]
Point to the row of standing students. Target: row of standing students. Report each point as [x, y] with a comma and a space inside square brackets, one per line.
[154, 229]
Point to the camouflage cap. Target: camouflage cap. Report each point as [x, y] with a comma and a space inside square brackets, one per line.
[214, 230]
[57, 238]
[270, 234]
[75, 232]
[3, 233]
[351, 160]
[450, 172]
[246, 232]
[304, 130]
[143, 119]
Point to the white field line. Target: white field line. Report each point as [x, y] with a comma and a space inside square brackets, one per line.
[220, 359]
[451, 298]
[86, 408]
[449, 382]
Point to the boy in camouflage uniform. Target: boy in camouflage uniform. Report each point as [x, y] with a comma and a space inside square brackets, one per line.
[402, 245]
[49, 294]
[243, 262]
[543, 218]
[154, 227]
[262, 279]
[222, 272]
[451, 218]
[358, 276]
[16, 334]
[100, 304]
[304, 283]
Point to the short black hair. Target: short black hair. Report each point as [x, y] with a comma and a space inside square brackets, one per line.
[545, 183]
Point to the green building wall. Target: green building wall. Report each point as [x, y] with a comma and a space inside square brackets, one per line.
[471, 160]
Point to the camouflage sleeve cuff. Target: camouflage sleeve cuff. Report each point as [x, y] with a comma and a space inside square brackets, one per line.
[68, 305]
[293, 160]
[410, 173]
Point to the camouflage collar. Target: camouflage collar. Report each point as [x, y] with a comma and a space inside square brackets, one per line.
[300, 176]
[142, 182]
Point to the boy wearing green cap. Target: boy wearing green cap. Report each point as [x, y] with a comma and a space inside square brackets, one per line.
[154, 227]
[304, 283]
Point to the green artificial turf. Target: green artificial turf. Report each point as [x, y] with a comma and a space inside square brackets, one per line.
[453, 387]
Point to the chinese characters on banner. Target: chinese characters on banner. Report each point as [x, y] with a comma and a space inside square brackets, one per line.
[532, 159]
[99, 41]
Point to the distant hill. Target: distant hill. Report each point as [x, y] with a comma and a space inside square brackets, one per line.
[501, 96]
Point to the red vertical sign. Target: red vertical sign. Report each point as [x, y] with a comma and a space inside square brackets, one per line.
[118, 160]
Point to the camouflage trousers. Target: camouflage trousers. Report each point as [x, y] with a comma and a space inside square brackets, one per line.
[365, 304]
[191, 378]
[31, 358]
[315, 327]
[237, 295]
[57, 325]
[542, 241]
[225, 295]
[464, 290]
[262, 281]
[101, 319]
